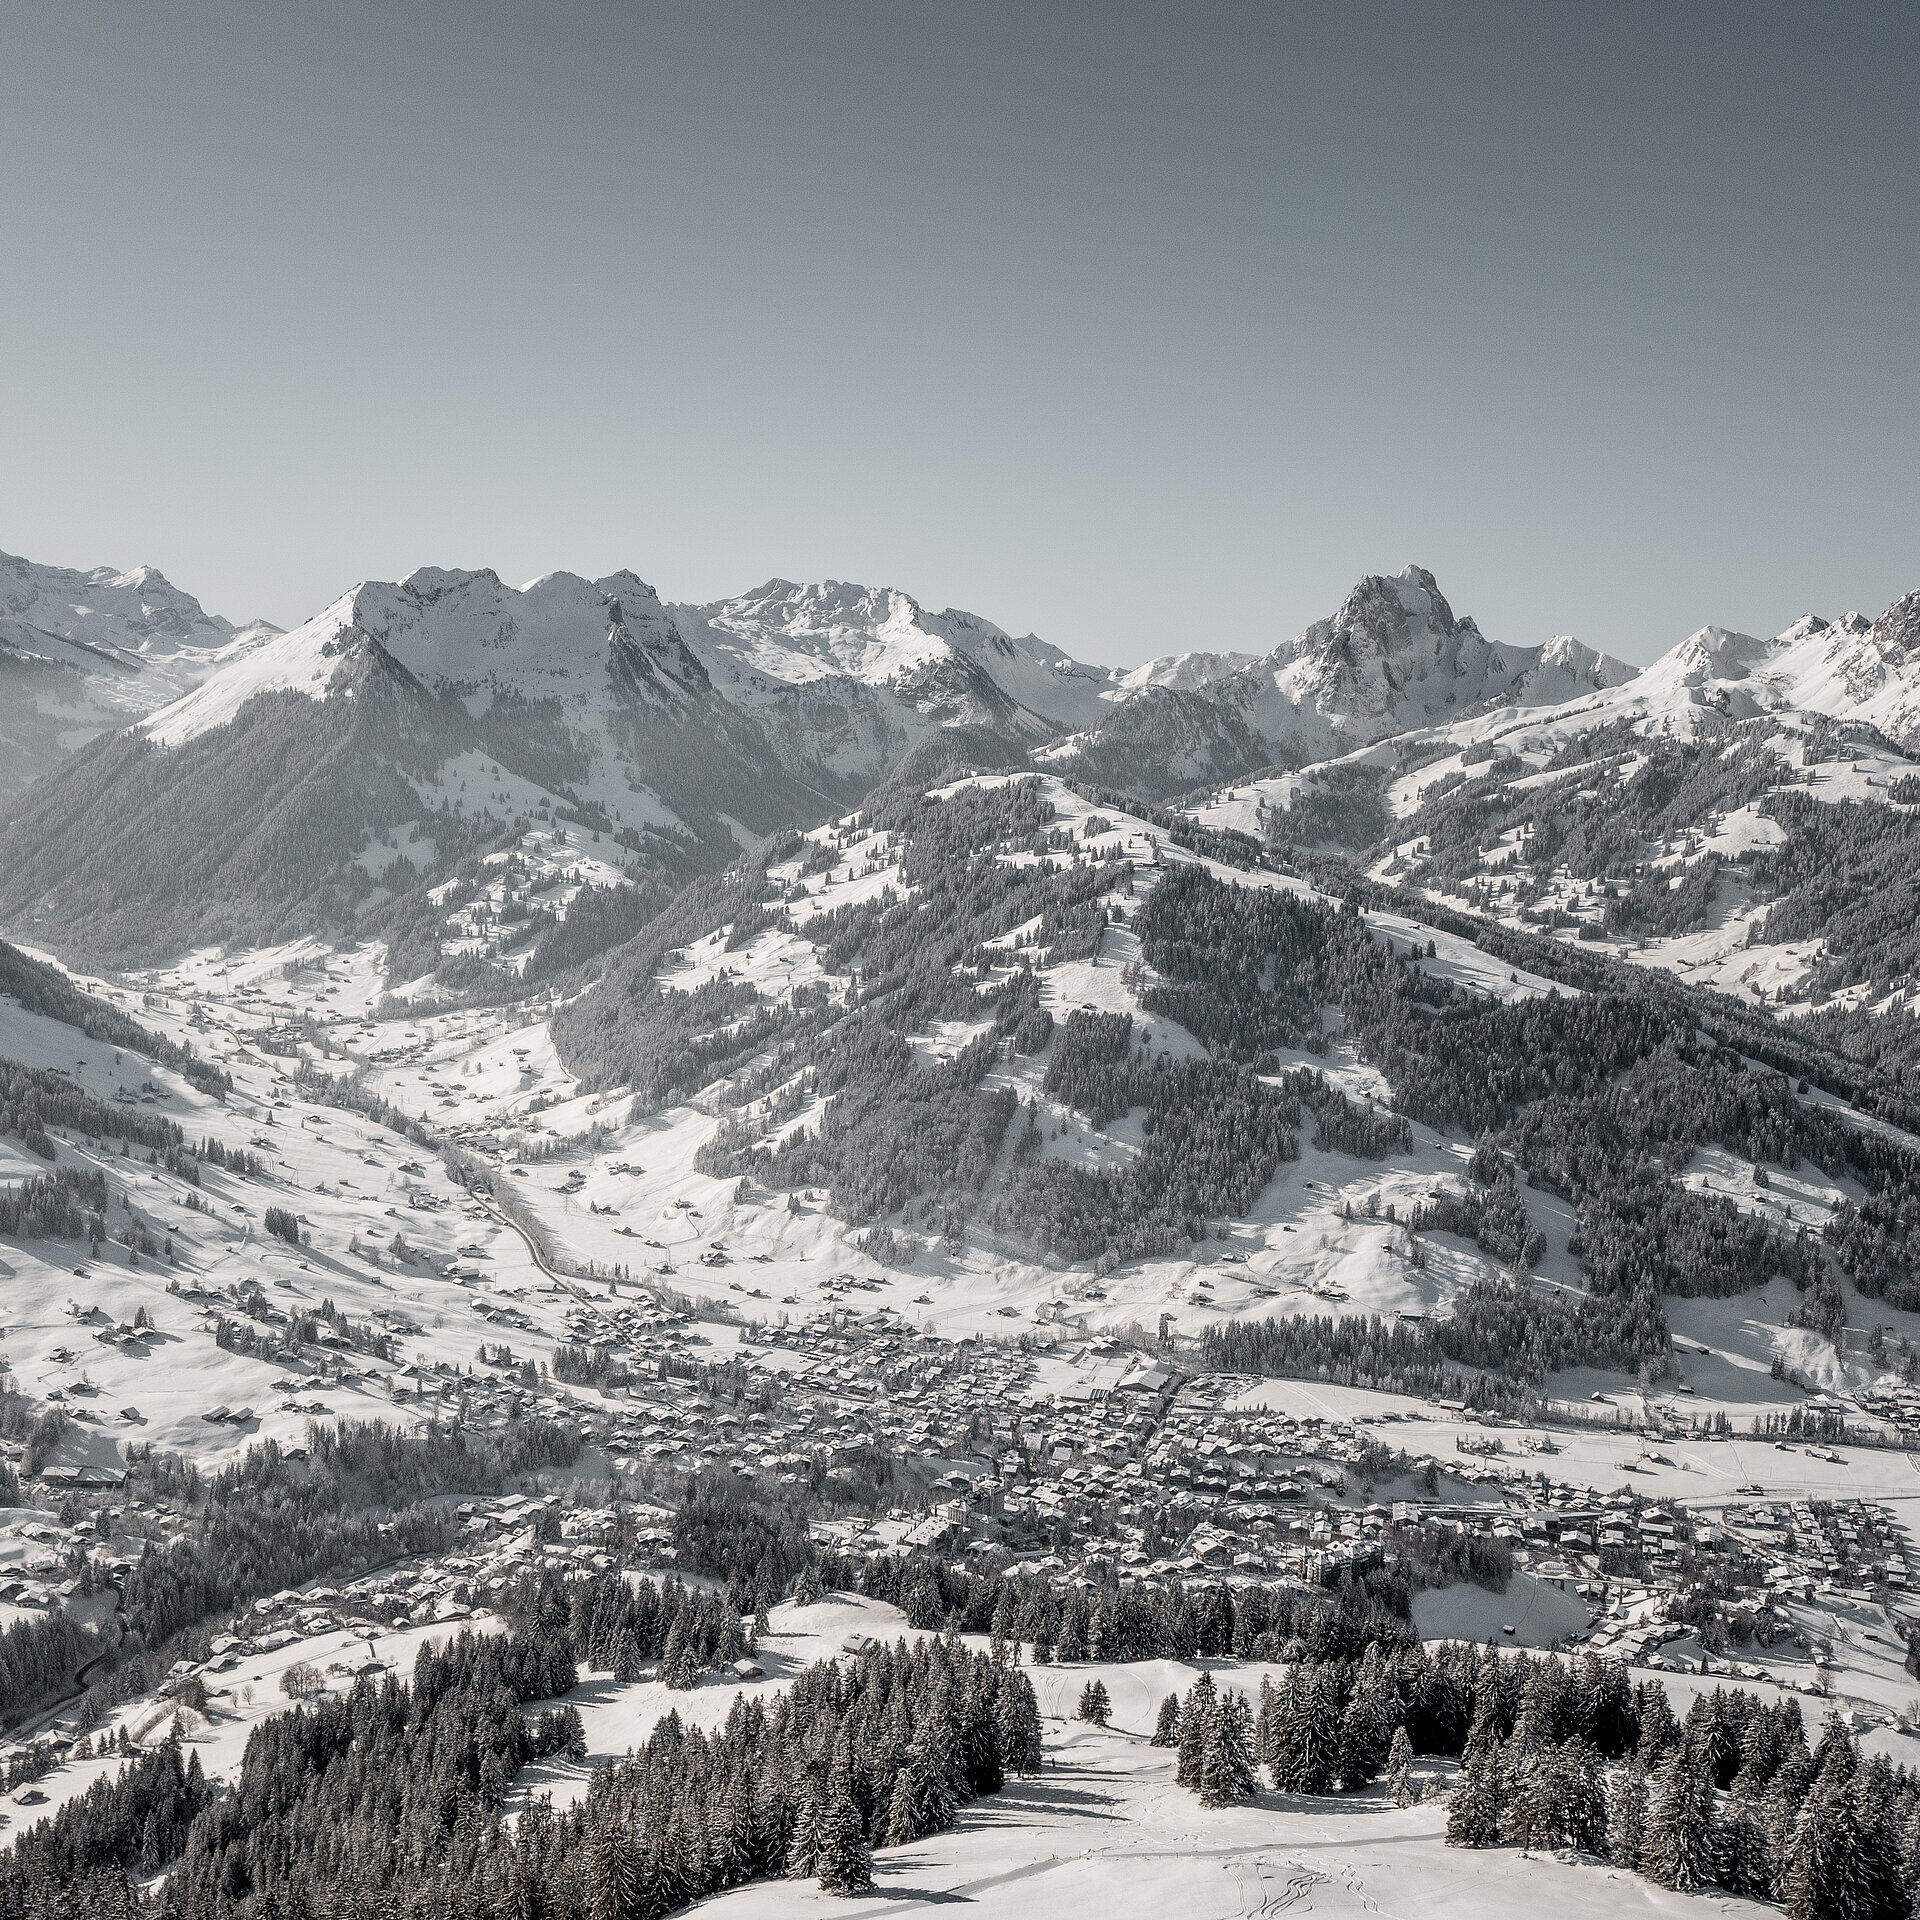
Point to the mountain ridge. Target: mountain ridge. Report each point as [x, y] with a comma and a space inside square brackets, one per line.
[685, 733]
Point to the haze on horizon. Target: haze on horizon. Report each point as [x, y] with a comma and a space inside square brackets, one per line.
[1143, 329]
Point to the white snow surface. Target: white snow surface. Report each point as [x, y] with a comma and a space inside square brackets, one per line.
[83, 654]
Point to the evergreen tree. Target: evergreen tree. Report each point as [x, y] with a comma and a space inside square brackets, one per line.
[1094, 1704]
[1835, 1752]
[613, 1876]
[1658, 1729]
[1819, 1881]
[1880, 1879]
[730, 1835]
[1226, 1766]
[1366, 1726]
[1742, 1862]
[1780, 1805]
[1304, 1730]
[1473, 1808]
[1579, 1797]
[803, 1847]
[845, 1862]
[906, 1806]
[1018, 1713]
[1166, 1730]
[1196, 1726]
[1400, 1769]
[1627, 1814]
[1678, 1849]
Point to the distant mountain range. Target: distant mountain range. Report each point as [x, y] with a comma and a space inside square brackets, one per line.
[178, 779]
[83, 654]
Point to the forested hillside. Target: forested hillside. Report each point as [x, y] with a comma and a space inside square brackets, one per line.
[1599, 1094]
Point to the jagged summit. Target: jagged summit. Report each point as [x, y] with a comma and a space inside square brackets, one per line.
[1394, 658]
[1396, 655]
[57, 612]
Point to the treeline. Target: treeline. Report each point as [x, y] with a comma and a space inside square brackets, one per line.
[373, 1793]
[604, 1036]
[366, 1496]
[85, 1859]
[1844, 1053]
[1341, 805]
[581, 1365]
[1205, 1620]
[1604, 825]
[35, 1100]
[1602, 1098]
[1212, 1137]
[1731, 1797]
[727, 1524]
[1502, 1327]
[1493, 1217]
[40, 988]
[1848, 876]
[1559, 1755]
[231, 1159]
[898, 1127]
[65, 1204]
[395, 1797]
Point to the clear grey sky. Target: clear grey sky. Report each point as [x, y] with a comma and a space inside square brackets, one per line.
[1143, 327]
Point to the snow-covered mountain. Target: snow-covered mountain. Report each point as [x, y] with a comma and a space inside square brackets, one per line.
[84, 653]
[1186, 671]
[954, 664]
[1853, 671]
[558, 638]
[59, 613]
[850, 678]
[684, 730]
[1394, 659]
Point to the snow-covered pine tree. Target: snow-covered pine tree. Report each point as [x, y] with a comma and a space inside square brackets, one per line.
[1072, 1642]
[1226, 1765]
[845, 1863]
[1742, 1860]
[1400, 1769]
[1818, 1881]
[613, 1875]
[1879, 1867]
[1677, 1851]
[1473, 1808]
[1166, 1730]
[803, 1849]
[1094, 1706]
[1580, 1797]
[1658, 1730]
[1366, 1725]
[1018, 1714]
[904, 1805]
[1781, 1803]
[730, 1836]
[1627, 1814]
[1266, 1723]
[1196, 1723]
[1307, 1730]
